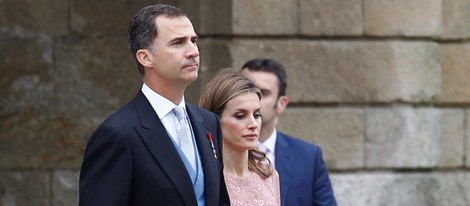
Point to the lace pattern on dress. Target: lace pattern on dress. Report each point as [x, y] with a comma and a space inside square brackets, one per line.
[251, 190]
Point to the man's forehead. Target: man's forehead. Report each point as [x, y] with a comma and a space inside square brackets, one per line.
[266, 81]
[265, 75]
[180, 24]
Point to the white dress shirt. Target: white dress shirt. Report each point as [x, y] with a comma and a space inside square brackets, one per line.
[163, 107]
[269, 147]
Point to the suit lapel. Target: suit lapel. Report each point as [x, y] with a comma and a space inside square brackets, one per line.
[283, 164]
[162, 148]
[209, 163]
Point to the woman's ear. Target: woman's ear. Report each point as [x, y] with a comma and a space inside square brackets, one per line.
[145, 57]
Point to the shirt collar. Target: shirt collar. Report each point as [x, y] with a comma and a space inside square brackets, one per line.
[160, 104]
[270, 143]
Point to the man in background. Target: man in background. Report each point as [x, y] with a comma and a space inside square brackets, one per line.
[303, 175]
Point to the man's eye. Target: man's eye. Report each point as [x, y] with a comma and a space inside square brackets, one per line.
[177, 43]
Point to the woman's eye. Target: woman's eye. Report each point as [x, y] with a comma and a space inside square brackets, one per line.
[257, 115]
[239, 116]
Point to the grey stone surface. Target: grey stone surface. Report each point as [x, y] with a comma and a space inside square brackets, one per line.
[339, 132]
[335, 18]
[264, 17]
[467, 136]
[100, 72]
[403, 17]
[213, 17]
[397, 189]
[405, 137]
[454, 188]
[51, 107]
[46, 17]
[455, 17]
[455, 73]
[27, 59]
[104, 18]
[24, 188]
[350, 71]
[35, 140]
[65, 188]
[453, 134]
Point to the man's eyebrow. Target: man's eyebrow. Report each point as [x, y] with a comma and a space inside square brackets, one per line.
[182, 39]
[177, 39]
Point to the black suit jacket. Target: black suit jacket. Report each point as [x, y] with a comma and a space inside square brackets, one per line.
[130, 160]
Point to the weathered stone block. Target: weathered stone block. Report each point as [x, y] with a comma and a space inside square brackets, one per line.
[26, 90]
[467, 133]
[454, 188]
[403, 17]
[105, 18]
[325, 17]
[399, 189]
[350, 71]
[405, 137]
[36, 140]
[101, 73]
[453, 138]
[339, 132]
[455, 16]
[24, 188]
[269, 17]
[26, 63]
[213, 17]
[65, 188]
[50, 111]
[45, 17]
[455, 73]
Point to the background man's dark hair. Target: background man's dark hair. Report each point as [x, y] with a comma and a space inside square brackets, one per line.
[271, 66]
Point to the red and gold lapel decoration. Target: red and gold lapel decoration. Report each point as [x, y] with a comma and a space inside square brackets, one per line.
[209, 136]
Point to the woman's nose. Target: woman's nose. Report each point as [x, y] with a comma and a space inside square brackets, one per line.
[253, 124]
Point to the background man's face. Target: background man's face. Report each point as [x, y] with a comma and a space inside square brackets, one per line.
[269, 85]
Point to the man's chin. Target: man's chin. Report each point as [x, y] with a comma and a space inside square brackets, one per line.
[191, 77]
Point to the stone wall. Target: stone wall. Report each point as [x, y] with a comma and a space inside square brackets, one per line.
[382, 86]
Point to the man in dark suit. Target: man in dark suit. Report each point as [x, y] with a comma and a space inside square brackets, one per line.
[140, 154]
[303, 175]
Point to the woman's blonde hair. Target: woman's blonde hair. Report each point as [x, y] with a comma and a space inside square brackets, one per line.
[226, 85]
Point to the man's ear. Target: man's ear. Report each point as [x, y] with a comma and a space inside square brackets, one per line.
[282, 103]
[145, 57]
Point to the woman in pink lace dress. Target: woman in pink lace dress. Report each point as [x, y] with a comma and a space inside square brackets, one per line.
[249, 176]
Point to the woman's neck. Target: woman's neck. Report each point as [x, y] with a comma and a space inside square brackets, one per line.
[235, 162]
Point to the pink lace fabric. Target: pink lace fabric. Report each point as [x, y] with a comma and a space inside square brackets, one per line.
[252, 190]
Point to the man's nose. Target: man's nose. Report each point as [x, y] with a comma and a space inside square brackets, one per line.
[193, 51]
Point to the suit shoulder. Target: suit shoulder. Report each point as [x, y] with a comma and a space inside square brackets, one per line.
[125, 116]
